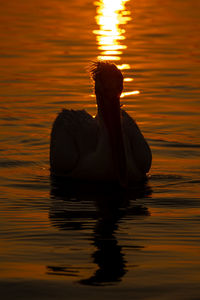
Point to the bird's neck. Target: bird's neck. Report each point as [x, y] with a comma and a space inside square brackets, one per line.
[109, 113]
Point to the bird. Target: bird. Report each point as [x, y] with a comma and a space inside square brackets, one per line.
[108, 147]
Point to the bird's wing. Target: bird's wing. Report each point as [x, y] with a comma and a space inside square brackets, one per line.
[74, 135]
[139, 147]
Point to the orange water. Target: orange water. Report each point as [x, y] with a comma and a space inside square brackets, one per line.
[88, 241]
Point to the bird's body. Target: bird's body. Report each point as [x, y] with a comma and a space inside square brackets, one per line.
[109, 147]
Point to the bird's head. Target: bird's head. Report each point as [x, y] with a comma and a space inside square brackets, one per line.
[108, 79]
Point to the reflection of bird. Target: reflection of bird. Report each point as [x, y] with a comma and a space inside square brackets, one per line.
[107, 147]
[98, 210]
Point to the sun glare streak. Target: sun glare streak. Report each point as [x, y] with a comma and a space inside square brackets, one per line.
[110, 36]
[125, 94]
[124, 66]
[110, 16]
[129, 93]
[128, 79]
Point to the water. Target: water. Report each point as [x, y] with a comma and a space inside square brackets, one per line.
[61, 241]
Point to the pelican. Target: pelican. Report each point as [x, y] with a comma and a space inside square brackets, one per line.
[109, 147]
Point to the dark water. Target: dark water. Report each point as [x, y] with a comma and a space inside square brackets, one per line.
[61, 241]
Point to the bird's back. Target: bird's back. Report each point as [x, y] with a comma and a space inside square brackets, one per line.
[74, 135]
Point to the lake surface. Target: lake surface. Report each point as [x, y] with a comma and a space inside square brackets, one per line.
[61, 241]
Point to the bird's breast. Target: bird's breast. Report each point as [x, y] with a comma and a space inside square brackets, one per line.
[98, 164]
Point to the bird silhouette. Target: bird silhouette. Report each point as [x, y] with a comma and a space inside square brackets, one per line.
[109, 147]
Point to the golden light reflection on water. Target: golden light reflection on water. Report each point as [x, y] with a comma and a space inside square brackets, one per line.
[129, 93]
[110, 36]
[110, 16]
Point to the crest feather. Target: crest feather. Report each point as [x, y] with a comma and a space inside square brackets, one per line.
[100, 66]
